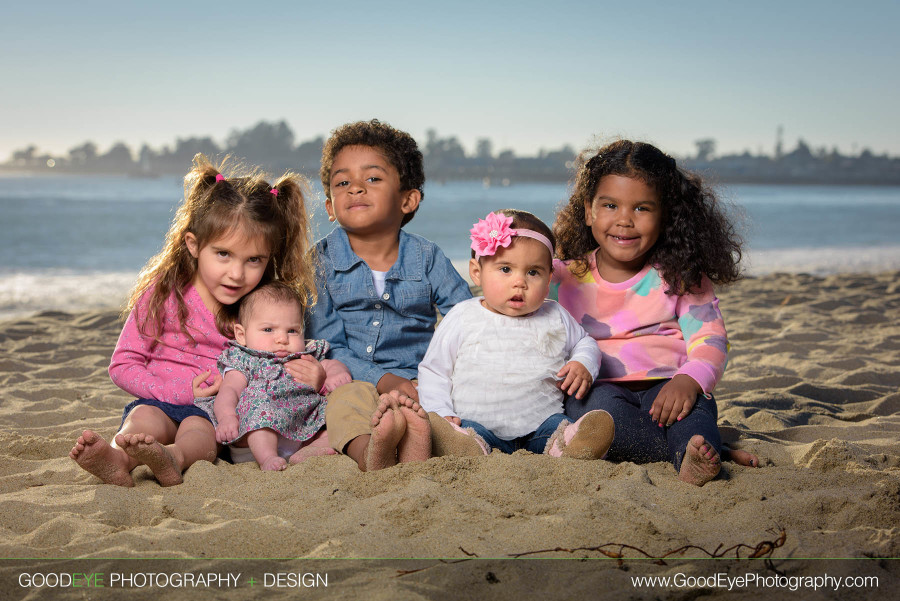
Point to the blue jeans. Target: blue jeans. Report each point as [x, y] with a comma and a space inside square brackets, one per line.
[534, 442]
[638, 438]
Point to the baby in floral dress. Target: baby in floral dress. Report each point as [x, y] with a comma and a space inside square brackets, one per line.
[260, 410]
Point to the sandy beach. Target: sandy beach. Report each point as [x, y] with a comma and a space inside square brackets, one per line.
[812, 387]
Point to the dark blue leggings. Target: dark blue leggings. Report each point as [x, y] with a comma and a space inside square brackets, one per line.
[638, 438]
[534, 442]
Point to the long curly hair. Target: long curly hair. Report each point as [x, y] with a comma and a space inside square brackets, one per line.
[214, 207]
[696, 238]
[398, 148]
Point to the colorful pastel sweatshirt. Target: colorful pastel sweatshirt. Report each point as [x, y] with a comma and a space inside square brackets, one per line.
[643, 333]
[164, 370]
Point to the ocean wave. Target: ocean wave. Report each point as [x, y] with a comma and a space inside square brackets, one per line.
[61, 290]
[823, 261]
[23, 293]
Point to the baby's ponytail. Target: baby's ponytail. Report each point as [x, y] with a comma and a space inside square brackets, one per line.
[294, 262]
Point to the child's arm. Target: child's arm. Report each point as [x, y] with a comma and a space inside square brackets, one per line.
[448, 287]
[225, 405]
[705, 337]
[436, 367]
[706, 340]
[584, 358]
[128, 367]
[336, 374]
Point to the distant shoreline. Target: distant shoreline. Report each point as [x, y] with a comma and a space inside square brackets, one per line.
[711, 176]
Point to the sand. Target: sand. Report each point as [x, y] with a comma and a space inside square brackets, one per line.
[812, 387]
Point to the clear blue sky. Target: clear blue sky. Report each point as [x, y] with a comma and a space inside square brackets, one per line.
[527, 74]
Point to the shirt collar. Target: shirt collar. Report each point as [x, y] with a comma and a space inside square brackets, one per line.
[409, 256]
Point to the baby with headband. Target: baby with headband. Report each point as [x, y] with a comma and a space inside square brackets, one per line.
[499, 365]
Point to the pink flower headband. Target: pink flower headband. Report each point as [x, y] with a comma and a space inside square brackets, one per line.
[494, 231]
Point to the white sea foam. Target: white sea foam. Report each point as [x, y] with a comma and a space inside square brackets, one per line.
[824, 261]
[26, 293]
[60, 290]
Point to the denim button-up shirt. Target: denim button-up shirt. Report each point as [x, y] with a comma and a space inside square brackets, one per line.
[374, 335]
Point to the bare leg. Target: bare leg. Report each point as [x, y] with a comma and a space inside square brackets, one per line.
[358, 450]
[740, 456]
[588, 438]
[701, 462]
[264, 446]
[145, 450]
[316, 446]
[111, 464]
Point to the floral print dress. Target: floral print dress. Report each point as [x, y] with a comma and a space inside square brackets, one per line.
[272, 399]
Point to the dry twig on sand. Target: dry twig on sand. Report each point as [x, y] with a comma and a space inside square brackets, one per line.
[763, 549]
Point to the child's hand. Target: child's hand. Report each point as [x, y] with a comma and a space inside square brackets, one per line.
[574, 379]
[307, 370]
[389, 382]
[675, 400]
[199, 387]
[335, 381]
[453, 419]
[228, 428]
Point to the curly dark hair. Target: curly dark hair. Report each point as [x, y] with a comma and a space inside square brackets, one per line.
[696, 238]
[398, 148]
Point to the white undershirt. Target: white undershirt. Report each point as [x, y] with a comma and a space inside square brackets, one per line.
[378, 278]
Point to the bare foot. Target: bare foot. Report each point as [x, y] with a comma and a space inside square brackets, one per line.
[450, 439]
[740, 456]
[144, 449]
[273, 464]
[94, 455]
[388, 428]
[588, 438]
[701, 462]
[416, 443]
[310, 451]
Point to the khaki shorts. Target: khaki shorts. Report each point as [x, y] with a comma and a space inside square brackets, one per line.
[348, 413]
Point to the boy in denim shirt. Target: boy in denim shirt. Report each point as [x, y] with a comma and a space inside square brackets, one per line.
[377, 290]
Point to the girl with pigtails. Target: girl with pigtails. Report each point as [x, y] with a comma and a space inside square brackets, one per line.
[230, 235]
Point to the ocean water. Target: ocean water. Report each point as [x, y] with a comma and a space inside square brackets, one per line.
[77, 242]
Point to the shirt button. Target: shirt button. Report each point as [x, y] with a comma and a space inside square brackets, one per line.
[375, 323]
[377, 305]
[385, 296]
[368, 349]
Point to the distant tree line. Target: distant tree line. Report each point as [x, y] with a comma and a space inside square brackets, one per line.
[801, 165]
[273, 146]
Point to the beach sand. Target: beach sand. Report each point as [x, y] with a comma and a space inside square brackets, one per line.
[812, 387]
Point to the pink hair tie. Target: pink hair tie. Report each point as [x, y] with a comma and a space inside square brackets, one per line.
[274, 192]
[494, 231]
[219, 177]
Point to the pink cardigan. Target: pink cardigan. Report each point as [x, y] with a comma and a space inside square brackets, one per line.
[164, 370]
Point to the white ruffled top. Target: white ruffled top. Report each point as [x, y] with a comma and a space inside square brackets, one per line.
[500, 371]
